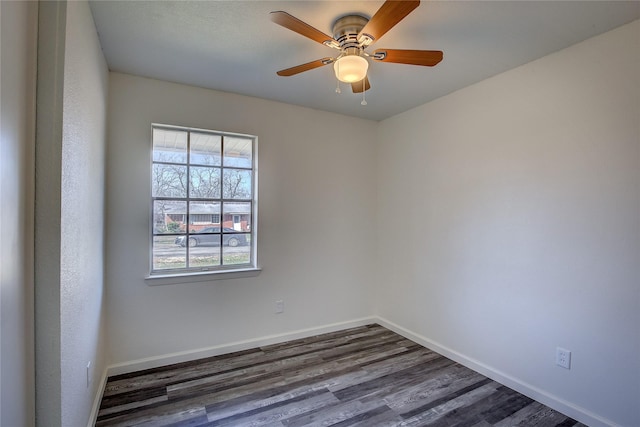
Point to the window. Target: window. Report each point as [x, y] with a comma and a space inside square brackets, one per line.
[205, 219]
[203, 197]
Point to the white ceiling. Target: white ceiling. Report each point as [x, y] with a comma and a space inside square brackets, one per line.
[233, 46]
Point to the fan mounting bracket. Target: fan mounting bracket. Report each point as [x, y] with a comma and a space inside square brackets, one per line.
[379, 55]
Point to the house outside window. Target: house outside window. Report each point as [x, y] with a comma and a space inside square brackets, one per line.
[203, 201]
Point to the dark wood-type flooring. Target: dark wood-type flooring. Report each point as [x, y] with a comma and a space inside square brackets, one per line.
[366, 376]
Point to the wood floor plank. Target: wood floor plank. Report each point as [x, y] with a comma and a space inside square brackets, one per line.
[546, 417]
[477, 410]
[519, 418]
[333, 414]
[190, 417]
[133, 395]
[154, 378]
[166, 409]
[213, 385]
[387, 367]
[440, 383]
[458, 404]
[388, 385]
[131, 405]
[280, 413]
[254, 402]
[379, 417]
[458, 396]
[360, 377]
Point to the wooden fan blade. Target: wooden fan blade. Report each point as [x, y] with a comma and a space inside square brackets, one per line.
[302, 28]
[427, 58]
[305, 67]
[358, 87]
[389, 14]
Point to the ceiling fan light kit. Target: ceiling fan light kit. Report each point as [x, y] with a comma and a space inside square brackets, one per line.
[351, 68]
[352, 34]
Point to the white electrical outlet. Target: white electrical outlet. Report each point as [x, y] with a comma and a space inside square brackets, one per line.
[563, 358]
[279, 306]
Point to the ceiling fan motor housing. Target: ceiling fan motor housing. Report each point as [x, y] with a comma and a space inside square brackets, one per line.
[346, 30]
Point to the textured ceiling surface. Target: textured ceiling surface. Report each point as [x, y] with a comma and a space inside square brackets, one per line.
[233, 46]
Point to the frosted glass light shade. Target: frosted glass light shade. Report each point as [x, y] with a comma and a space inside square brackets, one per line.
[351, 68]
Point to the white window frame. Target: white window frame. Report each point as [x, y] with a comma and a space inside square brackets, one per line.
[195, 274]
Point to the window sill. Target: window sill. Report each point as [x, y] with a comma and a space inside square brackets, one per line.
[204, 276]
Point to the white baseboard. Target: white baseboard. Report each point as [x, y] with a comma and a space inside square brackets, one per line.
[186, 356]
[574, 411]
[93, 416]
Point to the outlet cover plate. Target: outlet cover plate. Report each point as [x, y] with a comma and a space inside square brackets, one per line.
[563, 358]
[280, 306]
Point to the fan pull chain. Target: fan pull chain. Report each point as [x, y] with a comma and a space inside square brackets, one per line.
[338, 91]
[364, 100]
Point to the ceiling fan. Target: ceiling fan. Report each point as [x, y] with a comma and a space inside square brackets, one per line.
[352, 35]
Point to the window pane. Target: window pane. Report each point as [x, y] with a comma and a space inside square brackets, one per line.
[208, 236]
[169, 146]
[237, 216]
[167, 254]
[206, 149]
[202, 256]
[238, 152]
[204, 182]
[203, 215]
[237, 249]
[236, 184]
[169, 180]
[169, 216]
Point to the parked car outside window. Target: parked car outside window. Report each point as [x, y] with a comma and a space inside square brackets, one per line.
[210, 236]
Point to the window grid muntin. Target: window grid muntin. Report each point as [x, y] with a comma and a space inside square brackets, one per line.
[252, 246]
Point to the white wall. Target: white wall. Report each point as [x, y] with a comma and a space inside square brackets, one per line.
[316, 222]
[522, 194]
[70, 180]
[83, 218]
[17, 133]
